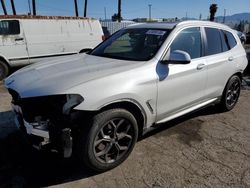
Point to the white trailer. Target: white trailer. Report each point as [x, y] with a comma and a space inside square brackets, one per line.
[29, 39]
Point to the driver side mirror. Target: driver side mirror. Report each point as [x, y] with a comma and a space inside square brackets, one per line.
[177, 57]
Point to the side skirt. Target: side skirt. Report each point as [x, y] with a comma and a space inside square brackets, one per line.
[182, 113]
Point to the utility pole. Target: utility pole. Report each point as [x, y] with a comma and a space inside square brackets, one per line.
[4, 7]
[13, 7]
[149, 12]
[76, 8]
[119, 11]
[200, 17]
[85, 8]
[224, 17]
[105, 13]
[29, 7]
[34, 7]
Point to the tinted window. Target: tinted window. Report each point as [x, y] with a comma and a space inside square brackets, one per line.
[188, 40]
[230, 39]
[139, 44]
[224, 41]
[213, 41]
[9, 27]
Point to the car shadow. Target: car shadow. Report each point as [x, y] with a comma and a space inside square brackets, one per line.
[21, 165]
[190, 131]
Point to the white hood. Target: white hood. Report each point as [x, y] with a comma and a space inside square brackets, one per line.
[56, 76]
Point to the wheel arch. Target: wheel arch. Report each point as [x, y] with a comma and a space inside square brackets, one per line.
[5, 61]
[131, 106]
[240, 74]
[6, 65]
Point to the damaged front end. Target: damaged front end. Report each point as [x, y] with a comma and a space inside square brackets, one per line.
[48, 120]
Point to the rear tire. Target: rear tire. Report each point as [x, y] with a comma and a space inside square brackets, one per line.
[231, 93]
[109, 140]
[4, 70]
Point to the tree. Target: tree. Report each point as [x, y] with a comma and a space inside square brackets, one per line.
[115, 17]
[213, 9]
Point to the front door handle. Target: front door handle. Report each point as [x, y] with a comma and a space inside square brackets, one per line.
[200, 66]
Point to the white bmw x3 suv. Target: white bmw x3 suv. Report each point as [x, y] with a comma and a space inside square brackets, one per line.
[95, 105]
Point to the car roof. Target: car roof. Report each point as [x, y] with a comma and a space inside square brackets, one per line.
[161, 25]
[164, 25]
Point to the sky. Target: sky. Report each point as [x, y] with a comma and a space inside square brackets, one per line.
[133, 8]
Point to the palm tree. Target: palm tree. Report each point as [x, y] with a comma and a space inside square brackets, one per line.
[213, 9]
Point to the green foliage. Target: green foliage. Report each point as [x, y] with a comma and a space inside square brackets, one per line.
[213, 9]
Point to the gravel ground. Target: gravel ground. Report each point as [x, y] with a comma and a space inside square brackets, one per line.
[205, 149]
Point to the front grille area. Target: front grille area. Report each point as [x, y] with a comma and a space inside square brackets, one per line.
[45, 107]
[49, 107]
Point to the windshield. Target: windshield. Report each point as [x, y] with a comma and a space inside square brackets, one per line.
[138, 44]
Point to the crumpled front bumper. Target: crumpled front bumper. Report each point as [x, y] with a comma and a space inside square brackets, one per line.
[40, 130]
[37, 128]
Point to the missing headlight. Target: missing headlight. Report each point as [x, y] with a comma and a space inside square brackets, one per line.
[72, 101]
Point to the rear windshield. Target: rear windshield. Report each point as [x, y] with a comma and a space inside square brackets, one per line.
[138, 44]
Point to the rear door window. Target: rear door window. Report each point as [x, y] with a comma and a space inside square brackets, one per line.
[213, 41]
[9, 27]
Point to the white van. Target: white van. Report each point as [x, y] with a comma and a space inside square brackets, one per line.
[29, 39]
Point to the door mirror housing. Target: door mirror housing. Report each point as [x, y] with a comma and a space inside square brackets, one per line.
[86, 50]
[177, 57]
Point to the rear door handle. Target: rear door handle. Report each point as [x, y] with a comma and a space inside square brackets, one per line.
[200, 66]
[19, 39]
[230, 59]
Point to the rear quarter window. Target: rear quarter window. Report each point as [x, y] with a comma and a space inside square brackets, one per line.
[9, 27]
[231, 41]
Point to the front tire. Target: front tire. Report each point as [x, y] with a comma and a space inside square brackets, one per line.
[109, 140]
[231, 93]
